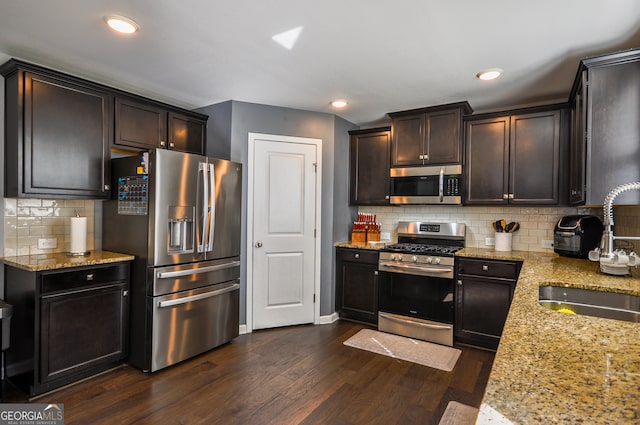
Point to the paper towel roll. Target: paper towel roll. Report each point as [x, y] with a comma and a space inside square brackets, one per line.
[78, 235]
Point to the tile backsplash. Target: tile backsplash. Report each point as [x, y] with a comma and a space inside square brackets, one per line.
[27, 220]
[536, 223]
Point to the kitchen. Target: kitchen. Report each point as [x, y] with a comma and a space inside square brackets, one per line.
[232, 119]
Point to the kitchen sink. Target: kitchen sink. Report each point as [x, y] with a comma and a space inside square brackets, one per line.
[608, 305]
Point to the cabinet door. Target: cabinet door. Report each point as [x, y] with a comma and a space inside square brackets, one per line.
[369, 173]
[614, 131]
[186, 134]
[407, 134]
[82, 329]
[66, 139]
[357, 285]
[443, 139]
[139, 125]
[534, 158]
[482, 305]
[578, 147]
[487, 161]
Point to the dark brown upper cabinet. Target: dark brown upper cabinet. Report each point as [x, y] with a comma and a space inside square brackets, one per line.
[605, 144]
[369, 166]
[515, 159]
[428, 136]
[146, 125]
[57, 134]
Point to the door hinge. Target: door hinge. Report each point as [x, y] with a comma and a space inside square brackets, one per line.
[314, 233]
[315, 167]
[314, 298]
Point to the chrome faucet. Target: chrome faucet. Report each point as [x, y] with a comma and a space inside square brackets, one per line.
[614, 261]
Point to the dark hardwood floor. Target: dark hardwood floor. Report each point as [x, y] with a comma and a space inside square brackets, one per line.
[296, 375]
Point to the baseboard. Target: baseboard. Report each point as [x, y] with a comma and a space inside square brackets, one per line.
[325, 320]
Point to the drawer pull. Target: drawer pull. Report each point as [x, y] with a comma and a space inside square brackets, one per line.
[485, 267]
[356, 255]
[90, 276]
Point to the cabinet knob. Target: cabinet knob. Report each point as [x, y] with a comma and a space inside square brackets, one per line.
[459, 282]
[505, 196]
[125, 292]
[90, 276]
[511, 196]
[375, 273]
[172, 145]
[485, 267]
[163, 143]
[356, 255]
[107, 187]
[386, 197]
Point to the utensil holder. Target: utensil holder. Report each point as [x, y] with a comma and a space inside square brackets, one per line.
[503, 241]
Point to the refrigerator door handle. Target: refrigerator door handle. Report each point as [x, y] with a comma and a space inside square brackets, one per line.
[212, 209]
[189, 272]
[202, 166]
[191, 298]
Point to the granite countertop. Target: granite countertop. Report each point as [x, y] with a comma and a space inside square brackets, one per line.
[375, 246]
[552, 367]
[60, 260]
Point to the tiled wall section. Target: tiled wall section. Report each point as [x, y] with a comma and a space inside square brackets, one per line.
[27, 220]
[536, 223]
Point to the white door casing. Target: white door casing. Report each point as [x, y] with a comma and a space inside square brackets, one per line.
[283, 220]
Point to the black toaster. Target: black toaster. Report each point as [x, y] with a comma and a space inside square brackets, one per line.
[576, 235]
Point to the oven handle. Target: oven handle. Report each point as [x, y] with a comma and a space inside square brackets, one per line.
[384, 266]
[411, 322]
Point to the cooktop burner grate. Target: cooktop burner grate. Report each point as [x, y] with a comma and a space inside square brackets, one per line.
[415, 248]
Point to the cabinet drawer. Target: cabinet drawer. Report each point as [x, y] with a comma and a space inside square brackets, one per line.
[86, 276]
[357, 255]
[489, 268]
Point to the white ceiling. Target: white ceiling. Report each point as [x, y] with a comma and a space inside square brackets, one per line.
[382, 56]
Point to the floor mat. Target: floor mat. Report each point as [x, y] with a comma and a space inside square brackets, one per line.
[400, 347]
[458, 414]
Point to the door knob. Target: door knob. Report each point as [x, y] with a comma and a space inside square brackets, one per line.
[259, 244]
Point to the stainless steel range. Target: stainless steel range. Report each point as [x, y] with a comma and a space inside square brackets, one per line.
[416, 281]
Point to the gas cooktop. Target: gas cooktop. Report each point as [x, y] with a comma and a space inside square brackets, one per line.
[423, 249]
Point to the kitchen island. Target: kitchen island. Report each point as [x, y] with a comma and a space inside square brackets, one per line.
[552, 367]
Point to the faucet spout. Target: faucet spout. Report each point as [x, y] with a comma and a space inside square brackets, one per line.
[608, 257]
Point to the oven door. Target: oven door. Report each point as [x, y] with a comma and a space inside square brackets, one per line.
[416, 306]
[423, 297]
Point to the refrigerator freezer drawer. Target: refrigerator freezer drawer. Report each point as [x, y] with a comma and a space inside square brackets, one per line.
[167, 280]
[192, 322]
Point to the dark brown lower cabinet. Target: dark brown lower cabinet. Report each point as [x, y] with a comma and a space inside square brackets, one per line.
[67, 325]
[357, 284]
[484, 290]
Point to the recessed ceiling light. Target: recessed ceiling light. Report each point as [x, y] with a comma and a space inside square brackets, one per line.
[489, 74]
[121, 24]
[339, 103]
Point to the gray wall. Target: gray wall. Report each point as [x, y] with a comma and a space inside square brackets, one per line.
[218, 130]
[249, 117]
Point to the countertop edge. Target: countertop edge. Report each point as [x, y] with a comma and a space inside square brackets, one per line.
[58, 261]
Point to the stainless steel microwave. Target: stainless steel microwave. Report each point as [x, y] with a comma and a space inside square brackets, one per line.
[434, 185]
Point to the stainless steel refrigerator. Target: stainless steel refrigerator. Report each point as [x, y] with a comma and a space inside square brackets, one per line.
[179, 215]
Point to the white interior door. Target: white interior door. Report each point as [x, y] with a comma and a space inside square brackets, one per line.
[283, 245]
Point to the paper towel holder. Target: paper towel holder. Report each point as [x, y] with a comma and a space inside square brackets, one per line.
[78, 254]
